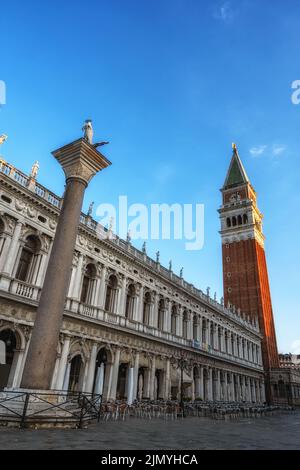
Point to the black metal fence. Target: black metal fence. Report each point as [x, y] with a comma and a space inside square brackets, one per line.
[74, 409]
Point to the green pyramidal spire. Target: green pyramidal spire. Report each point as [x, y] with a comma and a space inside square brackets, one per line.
[236, 174]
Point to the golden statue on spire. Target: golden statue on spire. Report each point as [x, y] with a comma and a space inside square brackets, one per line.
[234, 147]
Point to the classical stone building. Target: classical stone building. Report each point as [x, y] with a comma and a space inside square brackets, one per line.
[127, 319]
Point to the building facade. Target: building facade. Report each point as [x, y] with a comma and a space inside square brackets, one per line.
[127, 320]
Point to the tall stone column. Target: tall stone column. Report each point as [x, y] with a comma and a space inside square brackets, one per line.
[80, 161]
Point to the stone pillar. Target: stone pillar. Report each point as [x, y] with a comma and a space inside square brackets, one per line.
[115, 375]
[100, 300]
[122, 298]
[140, 307]
[218, 386]
[167, 393]
[210, 379]
[80, 161]
[63, 363]
[232, 398]
[91, 369]
[42, 269]
[78, 277]
[152, 378]
[135, 375]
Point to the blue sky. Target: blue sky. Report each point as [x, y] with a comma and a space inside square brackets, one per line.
[170, 83]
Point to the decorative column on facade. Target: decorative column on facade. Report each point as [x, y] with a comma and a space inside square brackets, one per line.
[214, 330]
[136, 375]
[210, 384]
[40, 275]
[75, 295]
[179, 321]
[153, 321]
[9, 264]
[140, 306]
[115, 374]
[218, 385]
[80, 161]
[91, 369]
[167, 391]
[152, 378]
[63, 363]
[190, 325]
[102, 289]
[122, 298]
[232, 398]
[168, 316]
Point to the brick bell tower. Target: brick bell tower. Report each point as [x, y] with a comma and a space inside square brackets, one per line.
[245, 274]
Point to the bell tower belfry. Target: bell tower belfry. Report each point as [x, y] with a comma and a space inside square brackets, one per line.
[245, 274]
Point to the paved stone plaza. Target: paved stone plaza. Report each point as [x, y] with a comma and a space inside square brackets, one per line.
[276, 432]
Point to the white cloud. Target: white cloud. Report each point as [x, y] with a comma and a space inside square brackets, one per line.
[295, 347]
[224, 12]
[278, 150]
[258, 151]
[272, 151]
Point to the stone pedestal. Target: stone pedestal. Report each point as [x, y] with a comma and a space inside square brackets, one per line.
[80, 162]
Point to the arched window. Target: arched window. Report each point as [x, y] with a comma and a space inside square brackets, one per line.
[185, 320]
[226, 342]
[195, 328]
[27, 260]
[228, 222]
[146, 308]
[88, 283]
[8, 344]
[173, 320]
[129, 310]
[75, 374]
[161, 315]
[111, 293]
[233, 221]
[245, 218]
[240, 221]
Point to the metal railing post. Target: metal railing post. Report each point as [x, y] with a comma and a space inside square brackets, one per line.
[23, 419]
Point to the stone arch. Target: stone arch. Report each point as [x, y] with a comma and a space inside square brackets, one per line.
[12, 345]
[103, 365]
